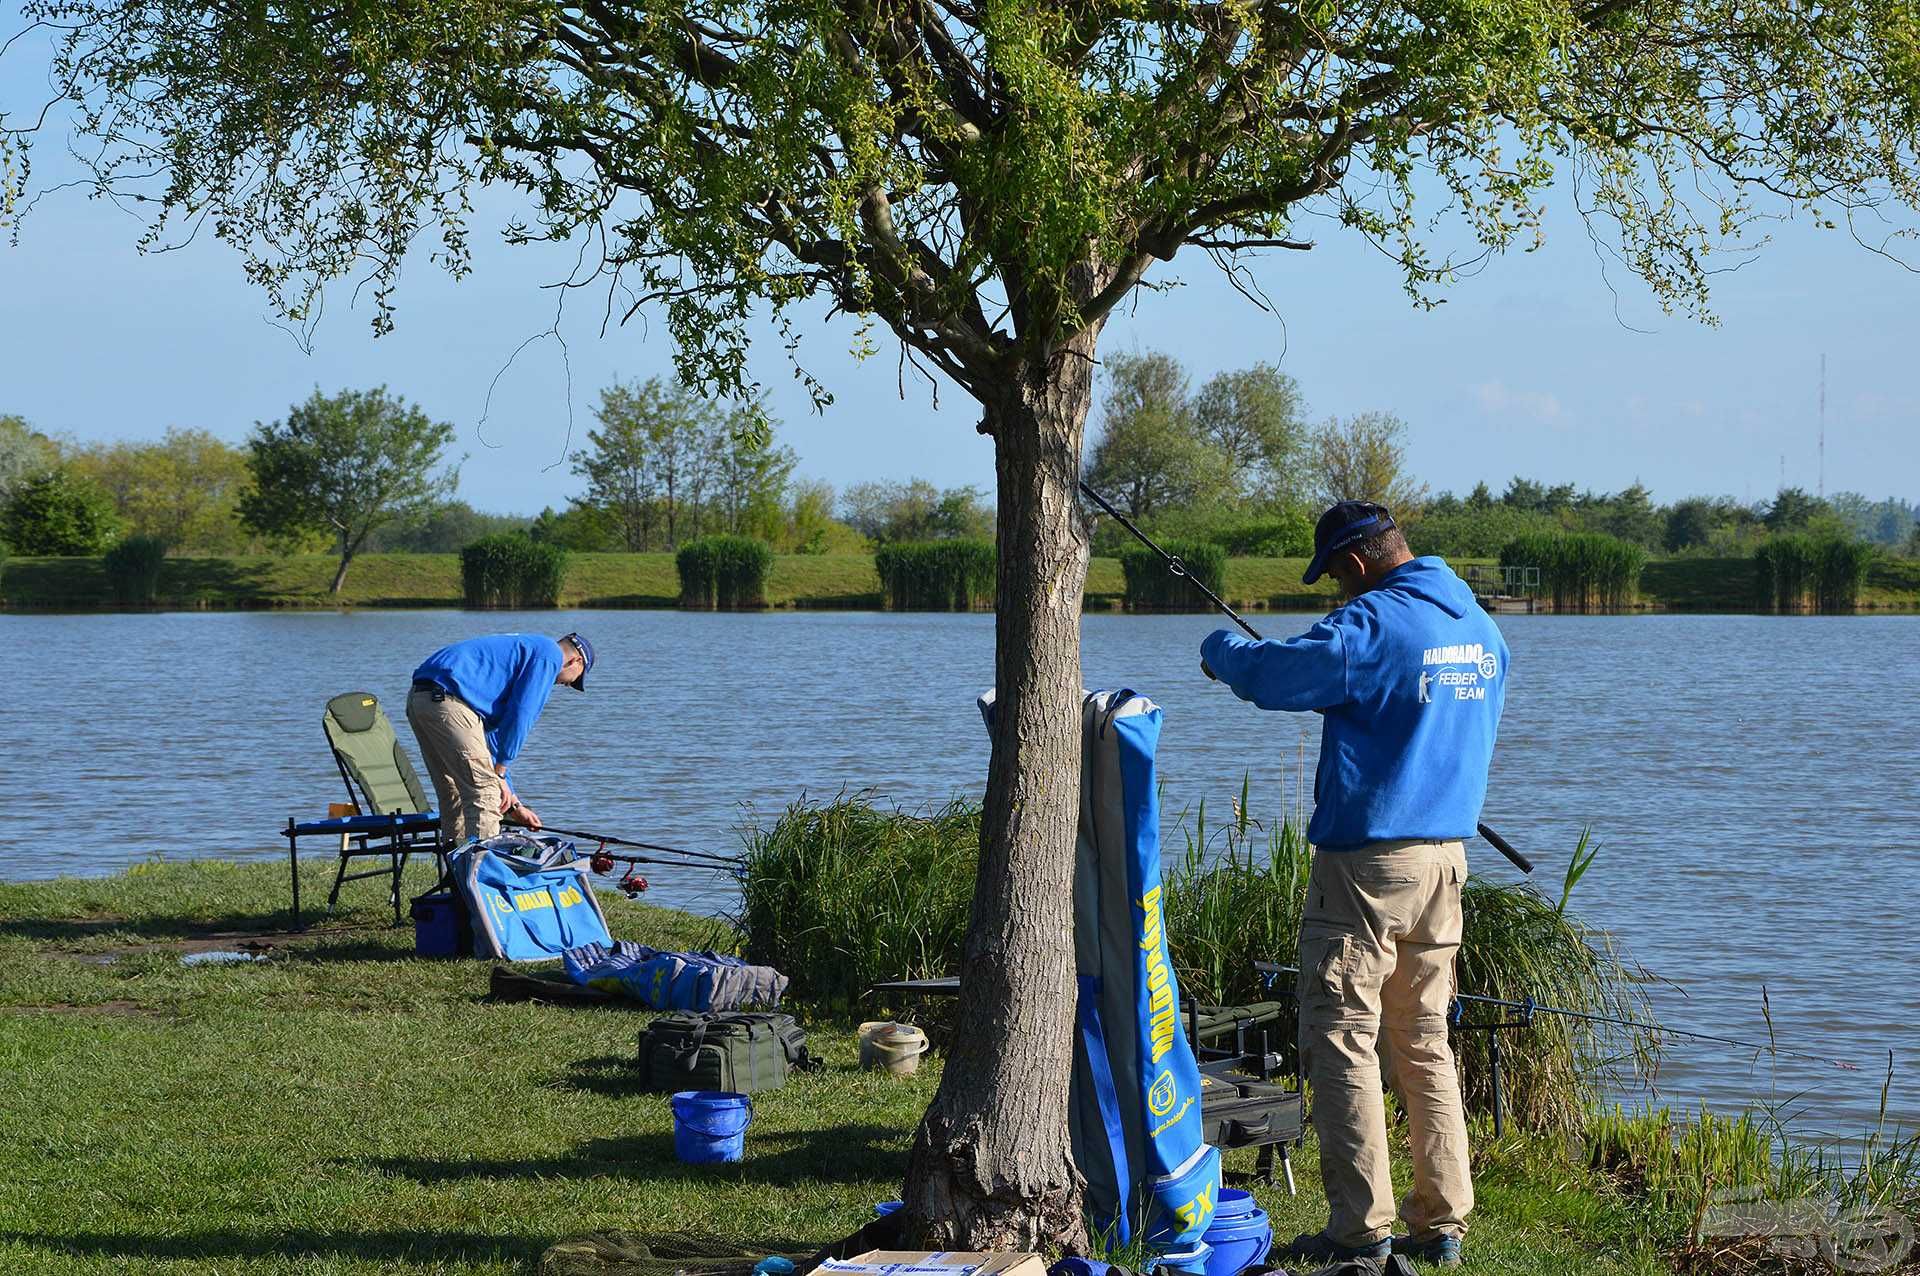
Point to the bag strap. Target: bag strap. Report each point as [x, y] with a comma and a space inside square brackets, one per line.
[1093, 1040]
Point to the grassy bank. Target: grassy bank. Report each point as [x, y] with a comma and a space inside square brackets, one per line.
[797, 580]
[343, 1107]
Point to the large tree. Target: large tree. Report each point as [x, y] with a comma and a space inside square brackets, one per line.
[185, 489]
[346, 464]
[1151, 455]
[987, 180]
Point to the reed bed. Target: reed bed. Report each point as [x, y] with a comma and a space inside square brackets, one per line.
[1152, 585]
[841, 895]
[133, 569]
[1580, 571]
[723, 573]
[1811, 573]
[1236, 896]
[845, 894]
[948, 575]
[512, 570]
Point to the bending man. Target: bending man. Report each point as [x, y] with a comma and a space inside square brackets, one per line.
[1410, 675]
[471, 707]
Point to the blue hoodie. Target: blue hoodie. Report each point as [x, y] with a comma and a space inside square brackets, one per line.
[506, 679]
[1411, 677]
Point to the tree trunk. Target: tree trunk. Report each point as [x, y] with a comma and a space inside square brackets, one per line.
[992, 1165]
[348, 547]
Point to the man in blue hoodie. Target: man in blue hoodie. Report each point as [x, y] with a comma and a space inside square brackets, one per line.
[471, 707]
[1410, 677]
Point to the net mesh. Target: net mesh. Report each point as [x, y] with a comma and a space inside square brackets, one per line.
[666, 1254]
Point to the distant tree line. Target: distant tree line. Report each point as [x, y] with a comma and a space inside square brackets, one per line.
[1236, 462]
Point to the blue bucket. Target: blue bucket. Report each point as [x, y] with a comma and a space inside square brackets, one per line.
[1234, 1204]
[884, 1208]
[710, 1126]
[1240, 1234]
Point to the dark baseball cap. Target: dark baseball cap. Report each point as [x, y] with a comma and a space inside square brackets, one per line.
[1345, 524]
[586, 654]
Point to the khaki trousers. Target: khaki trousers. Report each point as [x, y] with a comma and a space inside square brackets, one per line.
[453, 745]
[1377, 944]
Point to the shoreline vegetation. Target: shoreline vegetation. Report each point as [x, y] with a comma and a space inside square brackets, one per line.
[793, 581]
[360, 1157]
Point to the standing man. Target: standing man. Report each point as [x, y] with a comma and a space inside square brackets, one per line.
[471, 707]
[1410, 675]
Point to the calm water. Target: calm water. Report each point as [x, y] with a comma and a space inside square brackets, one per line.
[1751, 780]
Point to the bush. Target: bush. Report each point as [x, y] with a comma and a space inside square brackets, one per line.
[1811, 573]
[949, 575]
[1288, 537]
[726, 573]
[133, 569]
[1580, 571]
[59, 513]
[1153, 586]
[841, 896]
[1475, 532]
[511, 569]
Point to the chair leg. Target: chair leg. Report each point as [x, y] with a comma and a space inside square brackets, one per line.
[399, 866]
[339, 876]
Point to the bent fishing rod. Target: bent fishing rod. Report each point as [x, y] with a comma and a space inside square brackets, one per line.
[1179, 568]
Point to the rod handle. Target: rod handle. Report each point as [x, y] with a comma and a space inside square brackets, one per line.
[1505, 847]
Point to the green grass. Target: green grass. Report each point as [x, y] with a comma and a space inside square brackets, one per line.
[346, 1108]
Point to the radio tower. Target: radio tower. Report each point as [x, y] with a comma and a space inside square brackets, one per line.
[1822, 493]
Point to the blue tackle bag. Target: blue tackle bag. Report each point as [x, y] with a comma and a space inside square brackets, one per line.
[528, 895]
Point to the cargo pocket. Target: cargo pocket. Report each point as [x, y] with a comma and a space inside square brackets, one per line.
[1326, 973]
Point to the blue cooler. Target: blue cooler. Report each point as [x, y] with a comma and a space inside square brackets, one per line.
[440, 926]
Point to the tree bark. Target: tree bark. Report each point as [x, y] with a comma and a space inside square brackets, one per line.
[992, 1164]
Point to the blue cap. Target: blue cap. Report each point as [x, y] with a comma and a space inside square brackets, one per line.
[586, 654]
[1343, 525]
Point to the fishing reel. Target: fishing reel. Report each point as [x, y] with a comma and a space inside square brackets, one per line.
[631, 884]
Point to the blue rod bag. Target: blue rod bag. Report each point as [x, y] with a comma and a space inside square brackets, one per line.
[1135, 1101]
[529, 895]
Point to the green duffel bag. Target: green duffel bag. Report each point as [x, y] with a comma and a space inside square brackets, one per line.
[743, 1053]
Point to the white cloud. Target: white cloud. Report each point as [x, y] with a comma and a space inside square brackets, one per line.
[1537, 407]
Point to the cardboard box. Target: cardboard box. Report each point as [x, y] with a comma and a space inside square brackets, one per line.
[904, 1262]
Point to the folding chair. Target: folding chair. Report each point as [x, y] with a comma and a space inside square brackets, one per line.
[391, 815]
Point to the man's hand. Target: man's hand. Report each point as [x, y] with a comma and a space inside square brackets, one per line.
[1208, 672]
[523, 814]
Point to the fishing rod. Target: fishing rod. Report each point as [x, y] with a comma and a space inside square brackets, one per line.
[1179, 568]
[608, 840]
[1528, 1008]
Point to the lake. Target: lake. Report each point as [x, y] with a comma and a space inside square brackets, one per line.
[1751, 780]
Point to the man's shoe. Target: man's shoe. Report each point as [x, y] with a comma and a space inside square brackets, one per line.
[1320, 1247]
[1441, 1249]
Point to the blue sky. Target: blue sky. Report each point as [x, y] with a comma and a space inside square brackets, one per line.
[1544, 364]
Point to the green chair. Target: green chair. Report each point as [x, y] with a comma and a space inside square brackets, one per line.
[391, 815]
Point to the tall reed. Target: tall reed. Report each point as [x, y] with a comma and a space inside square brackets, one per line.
[511, 569]
[1810, 573]
[841, 895]
[949, 575]
[1580, 571]
[724, 573]
[1152, 585]
[133, 569]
